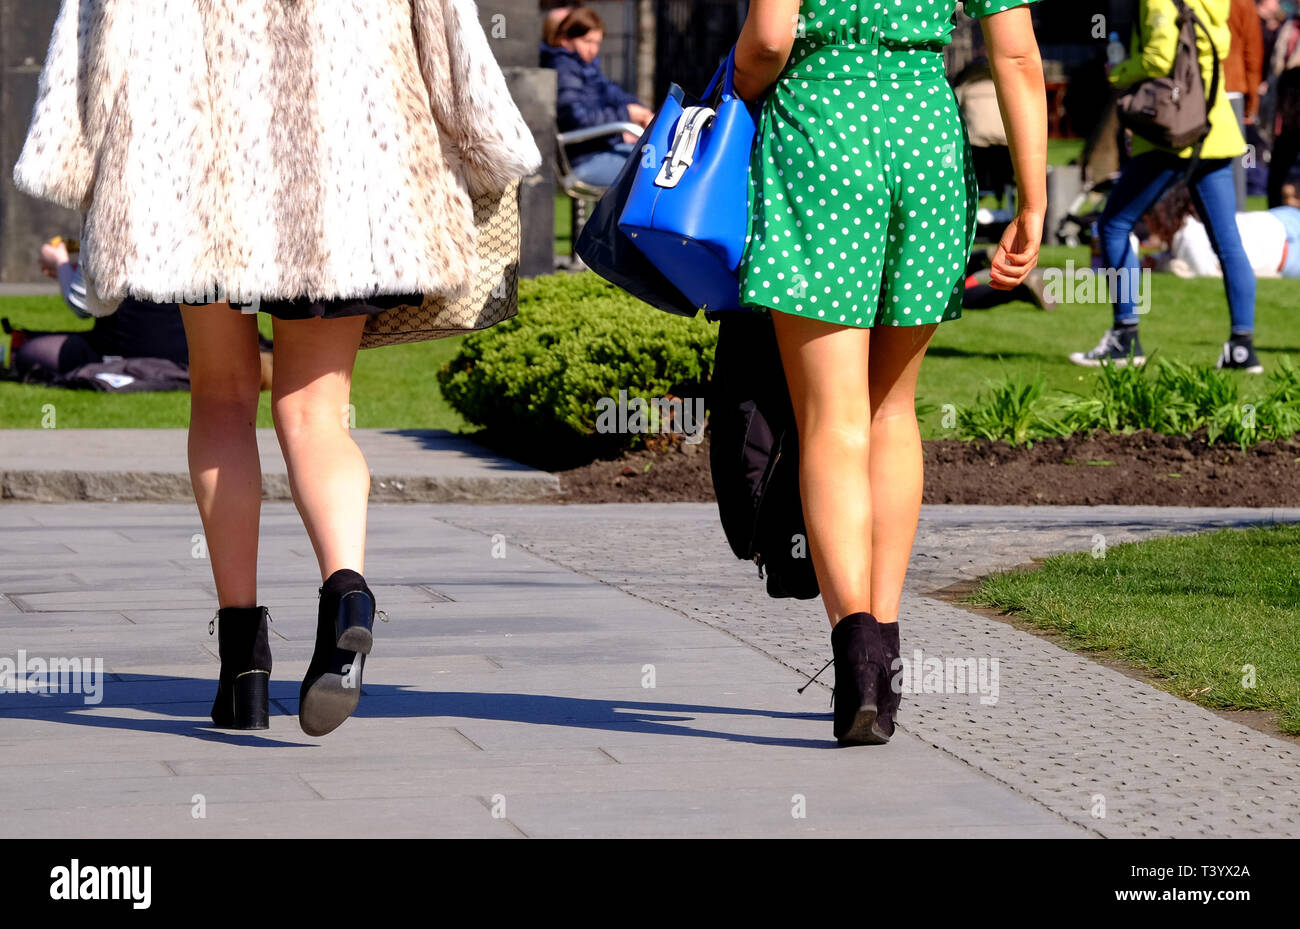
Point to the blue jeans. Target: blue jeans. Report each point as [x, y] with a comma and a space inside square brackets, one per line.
[601, 168]
[1144, 181]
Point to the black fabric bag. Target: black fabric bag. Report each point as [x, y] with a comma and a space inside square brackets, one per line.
[754, 456]
[612, 255]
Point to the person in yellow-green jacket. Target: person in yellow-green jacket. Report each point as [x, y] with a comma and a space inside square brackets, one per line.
[1153, 170]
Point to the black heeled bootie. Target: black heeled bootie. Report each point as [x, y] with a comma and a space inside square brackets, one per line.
[332, 688]
[891, 684]
[243, 687]
[856, 645]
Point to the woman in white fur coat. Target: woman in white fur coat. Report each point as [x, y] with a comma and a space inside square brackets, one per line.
[317, 157]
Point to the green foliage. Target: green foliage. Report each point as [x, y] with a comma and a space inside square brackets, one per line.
[1168, 396]
[1011, 411]
[576, 340]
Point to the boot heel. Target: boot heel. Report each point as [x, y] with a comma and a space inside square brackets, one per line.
[356, 619]
[251, 699]
[858, 651]
[244, 681]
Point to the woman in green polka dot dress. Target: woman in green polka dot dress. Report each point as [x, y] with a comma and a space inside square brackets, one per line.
[862, 216]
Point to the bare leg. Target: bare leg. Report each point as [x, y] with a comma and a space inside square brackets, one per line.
[225, 374]
[826, 368]
[327, 472]
[896, 461]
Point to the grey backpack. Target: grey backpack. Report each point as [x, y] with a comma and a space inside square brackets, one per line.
[1174, 112]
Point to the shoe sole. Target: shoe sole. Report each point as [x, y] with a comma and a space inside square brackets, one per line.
[1117, 362]
[864, 730]
[331, 699]
[357, 639]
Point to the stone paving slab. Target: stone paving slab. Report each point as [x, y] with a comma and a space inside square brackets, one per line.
[438, 815]
[1103, 750]
[516, 707]
[497, 667]
[406, 465]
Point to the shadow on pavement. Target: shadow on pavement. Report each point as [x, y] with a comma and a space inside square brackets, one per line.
[159, 695]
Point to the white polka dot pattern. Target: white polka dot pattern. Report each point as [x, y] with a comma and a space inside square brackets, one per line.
[862, 195]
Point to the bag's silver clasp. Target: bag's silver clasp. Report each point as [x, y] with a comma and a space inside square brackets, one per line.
[686, 137]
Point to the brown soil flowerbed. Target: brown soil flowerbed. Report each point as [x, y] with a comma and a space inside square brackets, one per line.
[665, 472]
[1144, 468]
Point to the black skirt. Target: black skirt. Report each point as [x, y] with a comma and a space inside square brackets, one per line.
[306, 308]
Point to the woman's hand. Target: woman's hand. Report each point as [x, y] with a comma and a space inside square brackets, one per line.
[52, 256]
[1017, 253]
[641, 115]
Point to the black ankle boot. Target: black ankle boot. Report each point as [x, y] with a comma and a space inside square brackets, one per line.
[243, 686]
[856, 645]
[344, 624]
[891, 684]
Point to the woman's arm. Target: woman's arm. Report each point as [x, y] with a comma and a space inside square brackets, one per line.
[763, 47]
[613, 93]
[1252, 57]
[75, 94]
[1022, 98]
[469, 97]
[1158, 44]
[73, 287]
[580, 103]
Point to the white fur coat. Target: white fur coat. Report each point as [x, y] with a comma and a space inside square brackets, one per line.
[245, 149]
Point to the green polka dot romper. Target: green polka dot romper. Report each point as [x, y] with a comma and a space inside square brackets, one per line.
[862, 196]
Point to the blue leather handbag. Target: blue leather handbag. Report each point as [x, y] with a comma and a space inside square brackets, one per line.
[688, 207]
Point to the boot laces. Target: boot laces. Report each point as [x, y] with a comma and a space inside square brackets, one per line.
[814, 677]
[1109, 342]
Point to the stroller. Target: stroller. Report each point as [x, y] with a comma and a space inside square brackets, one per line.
[1076, 226]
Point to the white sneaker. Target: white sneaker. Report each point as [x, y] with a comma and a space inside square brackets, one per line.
[1239, 355]
[1114, 348]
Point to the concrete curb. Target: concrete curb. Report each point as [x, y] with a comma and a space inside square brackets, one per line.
[99, 465]
[153, 487]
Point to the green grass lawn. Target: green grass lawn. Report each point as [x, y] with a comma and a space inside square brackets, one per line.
[1063, 151]
[1188, 321]
[393, 386]
[1214, 617]
[564, 223]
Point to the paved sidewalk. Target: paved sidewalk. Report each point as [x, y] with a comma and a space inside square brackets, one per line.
[1107, 752]
[508, 695]
[32, 289]
[406, 466]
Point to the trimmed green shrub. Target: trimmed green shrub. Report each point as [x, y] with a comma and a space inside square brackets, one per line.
[577, 340]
